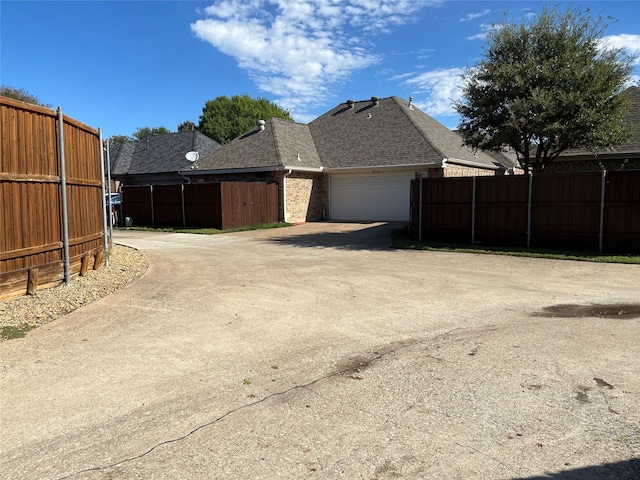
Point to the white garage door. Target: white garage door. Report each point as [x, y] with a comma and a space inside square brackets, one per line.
[370, 197]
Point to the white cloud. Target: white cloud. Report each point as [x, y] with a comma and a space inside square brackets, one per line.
[298, 50]
[631, 43]
[473, 16]
[441, 88]
[485, 28]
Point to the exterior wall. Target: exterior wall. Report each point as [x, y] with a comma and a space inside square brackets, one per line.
[307, 193]
[307, 197]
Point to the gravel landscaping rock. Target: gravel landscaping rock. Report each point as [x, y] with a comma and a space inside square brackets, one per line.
[30, 311]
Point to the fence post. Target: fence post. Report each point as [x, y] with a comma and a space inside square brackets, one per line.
[63, 186]
[473, 213]
[529, 211]
[109, 197]
[153, 216]
[602, 192]
[104, 210]
[420, 211]
[184, 218]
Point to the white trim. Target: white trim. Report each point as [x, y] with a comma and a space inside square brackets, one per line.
[275, 168]
[468, 163]
[415, 167]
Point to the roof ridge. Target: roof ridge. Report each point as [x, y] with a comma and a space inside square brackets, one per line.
[406, 114]
[275, 141]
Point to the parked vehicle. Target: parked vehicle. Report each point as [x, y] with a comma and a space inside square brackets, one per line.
[116, 207]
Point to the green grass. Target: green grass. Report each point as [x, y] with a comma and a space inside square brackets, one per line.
[209, 231]
[10, 332]
[401, 240]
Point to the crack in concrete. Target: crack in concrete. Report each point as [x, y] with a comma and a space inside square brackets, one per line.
[248, 405]
[363, 363]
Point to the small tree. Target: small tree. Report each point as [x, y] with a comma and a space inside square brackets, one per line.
[118, 139]
[545, 86]
[143, 132]
[22, 95]
[186, 126]
[224, 118]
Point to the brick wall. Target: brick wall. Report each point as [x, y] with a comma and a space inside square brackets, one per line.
[452, 170]
[307, 197]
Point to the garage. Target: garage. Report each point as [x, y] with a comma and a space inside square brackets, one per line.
[370, 197]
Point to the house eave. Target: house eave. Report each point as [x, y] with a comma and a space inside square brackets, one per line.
[470, 163]
[274, 168]
[413, 167]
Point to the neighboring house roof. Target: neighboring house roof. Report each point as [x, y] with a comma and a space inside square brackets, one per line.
[631, 147]
[159, 153]
[381, 132]
[282, 143]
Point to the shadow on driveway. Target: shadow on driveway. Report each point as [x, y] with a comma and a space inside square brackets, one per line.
[627, 470]
[347, 236]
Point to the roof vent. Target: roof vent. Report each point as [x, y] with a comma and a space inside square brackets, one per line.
[260, 124]
[410, 103]
[351, 103]
[375, 100]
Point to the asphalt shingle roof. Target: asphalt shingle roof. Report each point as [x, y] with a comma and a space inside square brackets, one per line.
[386, 132]
[278, 145]
[631, 120]
[159, 153]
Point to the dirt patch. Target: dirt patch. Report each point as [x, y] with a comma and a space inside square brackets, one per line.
[614, 310]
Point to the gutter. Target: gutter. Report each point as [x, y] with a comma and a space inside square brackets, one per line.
[275, 168]
[468, 163]
[409, 166]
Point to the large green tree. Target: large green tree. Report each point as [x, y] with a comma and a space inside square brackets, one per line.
[224, 118]
[545, 85]
[21, 94]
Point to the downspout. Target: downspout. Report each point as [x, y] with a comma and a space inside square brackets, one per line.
[63, 186]
[284, 193]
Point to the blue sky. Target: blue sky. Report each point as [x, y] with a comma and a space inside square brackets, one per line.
[120, 65]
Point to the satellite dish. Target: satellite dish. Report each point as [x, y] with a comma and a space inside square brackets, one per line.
[192, 156]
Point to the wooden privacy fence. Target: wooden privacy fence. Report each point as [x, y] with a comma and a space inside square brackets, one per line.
[41, 186]
[588, 211]
[222, 205]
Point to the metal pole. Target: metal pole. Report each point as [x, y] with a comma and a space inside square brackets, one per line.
[184, 218]
[602, 192]
[109, 198]
[63, 186]
[420, 212]
[153, 215]
[104, 211]
[473, 213]
[529, 211]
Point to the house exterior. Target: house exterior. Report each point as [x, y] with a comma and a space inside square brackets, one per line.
[354, 163]
[158, 158]
[619, 157]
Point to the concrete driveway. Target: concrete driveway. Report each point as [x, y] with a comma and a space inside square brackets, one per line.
[317, 352]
